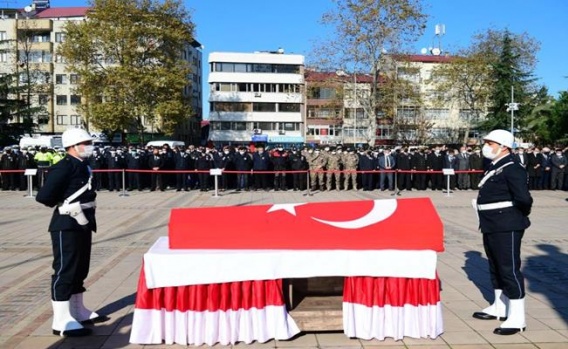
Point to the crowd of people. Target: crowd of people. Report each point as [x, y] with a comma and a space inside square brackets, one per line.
[251, 167]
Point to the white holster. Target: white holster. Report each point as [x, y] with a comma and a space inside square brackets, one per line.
[75, 211]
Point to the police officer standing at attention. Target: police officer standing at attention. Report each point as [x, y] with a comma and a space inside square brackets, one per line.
[503, 205]
[68, 187]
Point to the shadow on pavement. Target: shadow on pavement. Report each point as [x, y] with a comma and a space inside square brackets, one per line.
[477, 271]
[548, 275]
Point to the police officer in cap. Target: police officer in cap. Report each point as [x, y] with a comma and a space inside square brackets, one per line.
[68, 189]
[503, 205]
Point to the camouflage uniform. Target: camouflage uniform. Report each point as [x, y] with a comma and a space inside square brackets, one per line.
[333, 167]
[317, 162]
[350, 161]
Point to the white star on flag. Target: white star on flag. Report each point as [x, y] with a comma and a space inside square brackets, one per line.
[290, 208]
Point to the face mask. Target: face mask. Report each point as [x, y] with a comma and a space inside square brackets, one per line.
[559, 154]
[112, 153]
[326, 149]
[280, 149]
[310, 151]
[317, 151]
[488, 152]
[261, 151]
[333, 153]
[87, 151]
[226, 152]
[521, 152]
[242, 152]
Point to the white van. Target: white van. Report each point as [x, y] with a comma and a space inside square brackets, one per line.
[41, 141]
[159, 144]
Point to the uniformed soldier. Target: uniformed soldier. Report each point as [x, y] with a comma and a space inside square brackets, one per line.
[25, 161]
[279, 159]
[333, 170]
[350, 161]
[317, 162]
[68, 187]
[503, 205]
[476, 164]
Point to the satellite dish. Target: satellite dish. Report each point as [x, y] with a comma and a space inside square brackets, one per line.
[424, 51]
[28, 9]
[436, 51]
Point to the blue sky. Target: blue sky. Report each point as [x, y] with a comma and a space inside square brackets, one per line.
[260, 25]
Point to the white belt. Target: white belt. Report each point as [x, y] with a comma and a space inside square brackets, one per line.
[86, 205]
[494, 205]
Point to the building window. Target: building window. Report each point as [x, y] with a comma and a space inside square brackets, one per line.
[3, 57]
[289, 107]
[3, 36]
[350, 113]
[59, 58]
[61, 79]
[469, 114]
[42, 99]
[264, 107]
[322, 93]
[59, 37]
[75, 120]
[62, 120]
[75, 100]
[288, 126]
[436, 114]
[74, 79]
[36, 56]
[61, 99]
[43, 37]
[265, 126]
[230, 107]
[239, 126]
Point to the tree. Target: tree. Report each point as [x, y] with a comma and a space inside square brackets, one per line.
[363, 31]
[128, 55]
[466, 77]
[16, 110]
[512, 58]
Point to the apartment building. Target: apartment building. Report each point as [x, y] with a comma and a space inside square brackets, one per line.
[30, 41]
[335, 108]
[256, 97]
[430, 114]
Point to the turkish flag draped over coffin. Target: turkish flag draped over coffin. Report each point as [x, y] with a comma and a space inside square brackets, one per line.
[399, 224]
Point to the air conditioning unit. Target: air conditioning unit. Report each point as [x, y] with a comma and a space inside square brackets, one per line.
[257, 131]
[258, 94]
[281, 132]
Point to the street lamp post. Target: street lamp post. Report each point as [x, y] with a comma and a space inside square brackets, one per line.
[512, 107]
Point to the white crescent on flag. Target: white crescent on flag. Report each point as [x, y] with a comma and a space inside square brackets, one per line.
[382, 209]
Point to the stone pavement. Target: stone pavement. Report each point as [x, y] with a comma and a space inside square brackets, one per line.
[128, 226]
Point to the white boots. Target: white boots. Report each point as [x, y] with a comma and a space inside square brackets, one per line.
[64, 324]
[81, 313]
[515, 318]
[497, 310]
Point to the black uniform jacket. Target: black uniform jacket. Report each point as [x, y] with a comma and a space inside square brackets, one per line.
[63, 180]
[508, 184]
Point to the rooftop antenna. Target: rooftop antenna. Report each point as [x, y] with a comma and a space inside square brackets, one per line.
[440, 30]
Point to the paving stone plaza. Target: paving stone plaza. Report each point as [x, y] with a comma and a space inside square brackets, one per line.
[129, 225]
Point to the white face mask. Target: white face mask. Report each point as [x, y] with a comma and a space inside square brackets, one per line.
[488, 152]
[87, 151]
[226, 151]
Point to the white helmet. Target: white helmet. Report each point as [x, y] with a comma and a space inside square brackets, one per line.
[503, 137]
[75, 136]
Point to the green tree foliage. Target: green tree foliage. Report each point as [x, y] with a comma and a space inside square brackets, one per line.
[11, 110]
[128, 55]
[465, 78]
[363, 30]
[559, 130]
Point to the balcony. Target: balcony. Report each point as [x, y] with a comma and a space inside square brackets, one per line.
[44, 67]
[42, 46]
[35, 24]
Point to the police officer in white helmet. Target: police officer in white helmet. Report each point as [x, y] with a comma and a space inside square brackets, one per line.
[68, 189]
[503, 205]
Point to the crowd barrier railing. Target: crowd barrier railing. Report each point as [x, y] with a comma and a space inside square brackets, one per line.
[216, 172]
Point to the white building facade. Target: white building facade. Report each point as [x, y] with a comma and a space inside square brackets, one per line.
[256, 97]
[30, 40]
